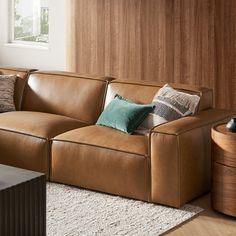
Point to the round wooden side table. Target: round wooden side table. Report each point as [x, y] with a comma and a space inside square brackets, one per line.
[223, 195]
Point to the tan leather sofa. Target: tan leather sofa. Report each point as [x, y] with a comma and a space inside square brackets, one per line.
[52, 103]
[54, 132]
[171, 166]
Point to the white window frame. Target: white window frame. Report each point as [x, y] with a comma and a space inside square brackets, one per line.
[14, 42]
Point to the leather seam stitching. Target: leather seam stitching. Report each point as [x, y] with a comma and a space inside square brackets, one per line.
[159, 86]
[105, 79]
[179, 170]
[104, 97]
[92, 145]
[190, 129]
[48, 157]
[18, 132]
[23, 90]
[150, 165]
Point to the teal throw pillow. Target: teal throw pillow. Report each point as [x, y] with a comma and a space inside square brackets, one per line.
[124, 115]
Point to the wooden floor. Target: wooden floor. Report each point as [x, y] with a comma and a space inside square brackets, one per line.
[208, 223]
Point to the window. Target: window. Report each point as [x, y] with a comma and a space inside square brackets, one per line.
[30, 22]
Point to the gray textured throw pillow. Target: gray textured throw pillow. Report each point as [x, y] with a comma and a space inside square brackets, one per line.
[7, 85]
[170, 104]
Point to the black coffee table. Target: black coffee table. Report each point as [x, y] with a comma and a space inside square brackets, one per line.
[22, 202]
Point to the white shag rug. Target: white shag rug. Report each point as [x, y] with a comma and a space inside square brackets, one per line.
[73, 211]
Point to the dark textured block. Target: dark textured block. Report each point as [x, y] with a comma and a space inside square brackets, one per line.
[22, 202]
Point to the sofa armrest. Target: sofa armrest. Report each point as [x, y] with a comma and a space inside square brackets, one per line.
[180, 156]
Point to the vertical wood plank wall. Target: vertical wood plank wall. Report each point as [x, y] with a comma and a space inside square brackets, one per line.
[182, 41]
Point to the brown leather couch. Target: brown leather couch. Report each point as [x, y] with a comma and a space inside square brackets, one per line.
[52, 103]
[54, 132]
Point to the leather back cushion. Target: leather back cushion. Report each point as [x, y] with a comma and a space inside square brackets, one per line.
[65, 94]
[143, 92]
[22, 75]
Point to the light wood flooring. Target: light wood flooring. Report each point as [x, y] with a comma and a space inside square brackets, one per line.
[208, 223]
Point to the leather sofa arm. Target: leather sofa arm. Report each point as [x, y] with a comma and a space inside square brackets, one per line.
[180, 157]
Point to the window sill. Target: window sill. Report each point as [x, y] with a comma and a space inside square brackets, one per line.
[20, 45]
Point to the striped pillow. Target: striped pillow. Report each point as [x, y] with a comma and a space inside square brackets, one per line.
[170, 104]
[7, 85]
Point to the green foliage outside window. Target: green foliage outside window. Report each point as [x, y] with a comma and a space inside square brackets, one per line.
[30, 27]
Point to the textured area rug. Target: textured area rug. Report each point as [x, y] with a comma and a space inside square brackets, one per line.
[74, 211]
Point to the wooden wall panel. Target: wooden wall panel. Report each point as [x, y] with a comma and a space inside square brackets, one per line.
[225, 53]
[164, 40]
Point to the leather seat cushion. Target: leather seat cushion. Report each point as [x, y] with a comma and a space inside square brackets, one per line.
[106, 137]
[24, 138]
[102, 159]
[39, 124]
